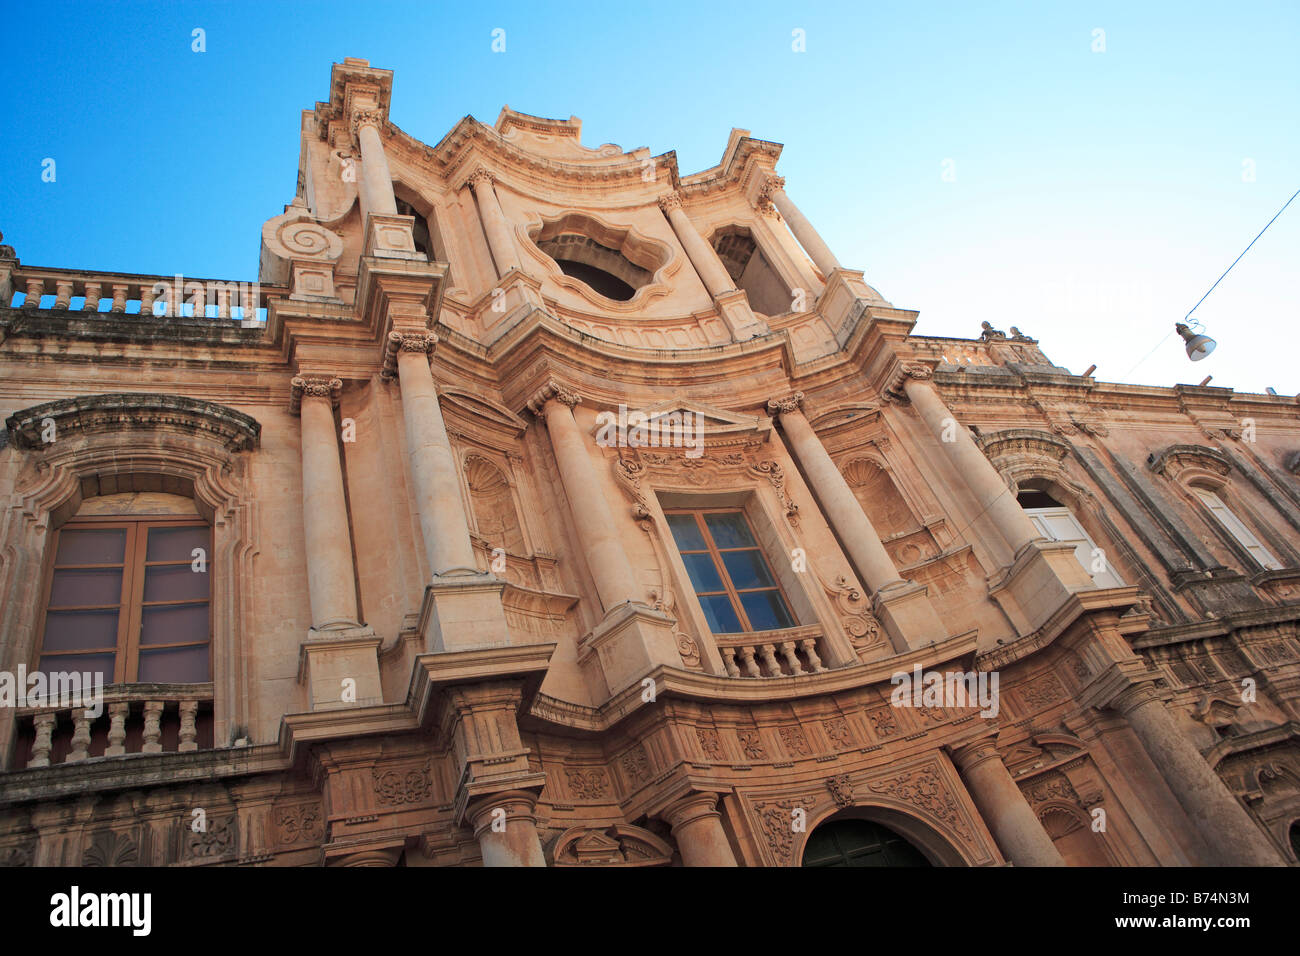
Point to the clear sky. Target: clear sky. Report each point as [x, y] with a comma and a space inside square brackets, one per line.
[977, 161]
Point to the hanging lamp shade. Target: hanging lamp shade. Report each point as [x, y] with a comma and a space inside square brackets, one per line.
[1198, 346]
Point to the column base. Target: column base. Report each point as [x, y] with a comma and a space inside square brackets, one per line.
[463, 611]
[629, 643]
[909, 618]
[739, 317]
[340, 667]
[1038, 582]
[839, 302]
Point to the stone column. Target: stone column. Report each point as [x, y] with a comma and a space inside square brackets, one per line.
[376, 184]
[903, 607]
[330, 578]
[434, 477]
[1214, 811]
[835, 496]
[1004, 808]
[500, 242]
[697, 828]
[706, 262]
[978, 472]
[506, 829]
[597, 532]
[820, 253]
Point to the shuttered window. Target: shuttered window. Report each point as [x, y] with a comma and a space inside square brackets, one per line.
[1263, 557]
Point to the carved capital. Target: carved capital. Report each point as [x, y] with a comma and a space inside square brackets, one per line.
[790, 403]
[420, 342]
[971, 755]
[764, 203]
[894, 389]
[671, 201]
[552, 390]
[480, 177]
[362, 118]
[314, 386]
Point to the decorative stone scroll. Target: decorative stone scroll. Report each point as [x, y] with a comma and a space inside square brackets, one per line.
[419, 342]
[552, 390]
[893, 390]
[632, 468]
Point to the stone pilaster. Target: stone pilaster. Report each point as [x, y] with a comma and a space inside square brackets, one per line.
[376, 184]
[732, 304]
[774, 192]
[495, 226]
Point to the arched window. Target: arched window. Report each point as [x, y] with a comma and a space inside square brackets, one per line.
[614, 262]
[1055, 522]
[1235, 527]
[859, 843]
[127, 592]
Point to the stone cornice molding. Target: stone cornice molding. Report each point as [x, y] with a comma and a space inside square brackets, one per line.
[118, 411]
[314, 386]
[399, 341]
[1183, 462]
[775, 406]
[552, 390]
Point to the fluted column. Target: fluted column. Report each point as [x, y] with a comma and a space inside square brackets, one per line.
[835, 496]
[500, 242]
[976, 470]
[330, 578]
[697, 828]
[1221, 820]
[597, 532]
[1004, 808]
[434, 477]
[706, 262]
[820, 253]
[376, 181]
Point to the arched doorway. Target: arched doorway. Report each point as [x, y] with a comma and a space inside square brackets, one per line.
[857, 842]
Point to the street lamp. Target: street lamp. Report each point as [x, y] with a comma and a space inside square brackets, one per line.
[1198, 345]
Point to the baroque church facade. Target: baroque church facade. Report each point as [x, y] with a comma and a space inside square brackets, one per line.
[367, 581]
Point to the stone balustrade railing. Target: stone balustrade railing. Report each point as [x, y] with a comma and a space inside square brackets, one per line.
[135, 718]
[954, 353]
[124, 293]
[788, 652]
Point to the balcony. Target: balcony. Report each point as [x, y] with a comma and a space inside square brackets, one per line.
[136, 719]
[787, 652]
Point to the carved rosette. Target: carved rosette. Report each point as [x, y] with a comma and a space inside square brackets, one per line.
[894, 388]
[314, 386]
[421, 342]
[790, 403]
[552, 390]
[669, 202]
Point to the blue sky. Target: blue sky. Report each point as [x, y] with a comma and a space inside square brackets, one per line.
[1094, 196]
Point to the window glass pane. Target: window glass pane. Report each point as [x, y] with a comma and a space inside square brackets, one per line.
[79, 630]
[747, 569]
[729, 530]
[91, 546]
[704, 575]
[74, 588]
[766, 610]
[175, 544]
[686, 533]
[720, 614]
[175, 582]
[81, 663]
[180, 665]
[174, 625]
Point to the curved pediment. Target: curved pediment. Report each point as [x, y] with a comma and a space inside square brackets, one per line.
[116, 411]
[1189, 462]
[1023, 443]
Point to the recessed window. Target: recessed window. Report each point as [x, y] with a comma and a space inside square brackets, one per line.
[1234, 526]
[129, 598]
[751, 272]
[612, 262]
[729, 572]
[1055, 523]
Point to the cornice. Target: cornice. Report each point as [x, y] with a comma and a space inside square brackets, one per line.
[140, 410]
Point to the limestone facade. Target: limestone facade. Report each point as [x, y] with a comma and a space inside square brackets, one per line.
[451, 624]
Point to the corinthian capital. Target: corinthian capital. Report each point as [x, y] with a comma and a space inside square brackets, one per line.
[362, 118]
[480, 177]
[769, 188]
[672, 200]
[313, 386]
[904, 371]
[552, 390]
[421, 342]
[790, 403]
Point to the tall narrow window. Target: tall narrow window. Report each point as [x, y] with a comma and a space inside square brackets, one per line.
[729, 571]
[129, 599]
[1055, 522]
[1263, 557]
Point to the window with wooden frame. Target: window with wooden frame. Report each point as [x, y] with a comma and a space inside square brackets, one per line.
[731, 576]
[129, 598]
[1237, 528]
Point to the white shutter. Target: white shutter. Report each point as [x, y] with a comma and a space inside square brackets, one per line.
[1057, 524]
[1238, 530]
